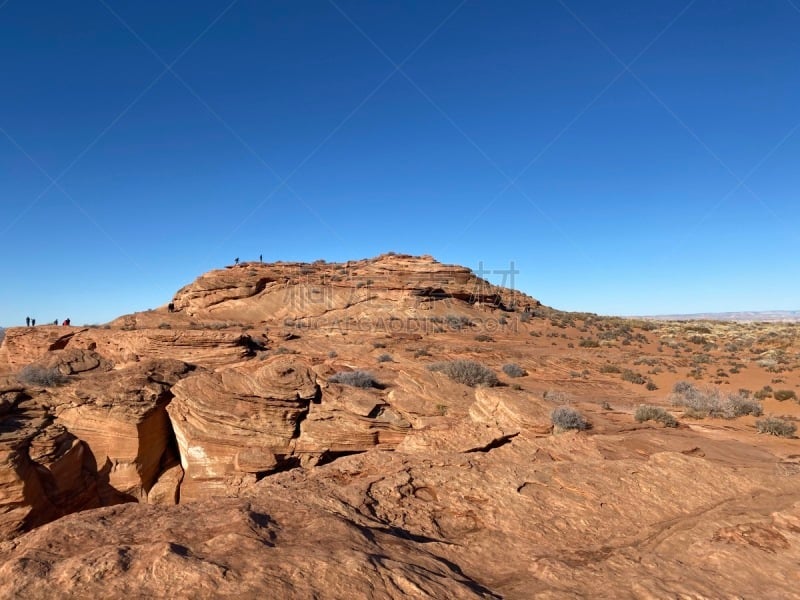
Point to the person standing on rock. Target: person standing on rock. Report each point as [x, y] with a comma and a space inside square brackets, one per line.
[27, 321]
[236, 260]
[33, 322]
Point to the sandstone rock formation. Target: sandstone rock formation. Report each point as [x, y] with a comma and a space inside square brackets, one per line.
[209, 451]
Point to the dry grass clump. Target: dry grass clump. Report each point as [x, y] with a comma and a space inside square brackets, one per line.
[565, 418]
[633, 377]
[36, 375]
[776, 426]
[514, 370]
[359, 379]
[713, 402]
[646, 412]
[782, 395]
[468, 372]
[555, 396]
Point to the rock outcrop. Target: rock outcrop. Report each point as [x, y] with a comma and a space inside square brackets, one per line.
[289, 430]
[91, 441]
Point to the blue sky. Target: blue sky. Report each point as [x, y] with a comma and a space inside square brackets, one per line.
[628, 157]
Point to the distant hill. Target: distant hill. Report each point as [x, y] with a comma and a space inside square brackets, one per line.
[743, 316]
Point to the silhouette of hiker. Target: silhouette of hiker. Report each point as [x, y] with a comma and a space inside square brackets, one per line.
[33, 322]
[236, 260]
[27, 321]
[65, 323]
[260, 258]
[171, 307]
[55, 322]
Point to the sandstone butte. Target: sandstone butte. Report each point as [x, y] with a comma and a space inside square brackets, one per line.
[208, 452]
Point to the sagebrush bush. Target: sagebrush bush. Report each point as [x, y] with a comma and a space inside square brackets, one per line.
[763, 394]
[385, 358]
[514, 370]
[467, 372]
[36, 375]
[776, 426]
[555, 396]
[359, 379]
[566, 418]
[782, 395]
[646, 412]
[683, 387]
[633, 377]
[713, 402]
[589, 343]
[738, 406]
[482, 337]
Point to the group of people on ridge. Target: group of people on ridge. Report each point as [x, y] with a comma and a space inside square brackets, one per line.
[32, 322]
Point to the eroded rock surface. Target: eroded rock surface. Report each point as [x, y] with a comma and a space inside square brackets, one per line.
[206, 451]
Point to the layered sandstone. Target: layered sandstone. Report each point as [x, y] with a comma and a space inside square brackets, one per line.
[206, 451]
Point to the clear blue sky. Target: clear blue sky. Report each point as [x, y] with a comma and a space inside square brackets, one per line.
[628, 157]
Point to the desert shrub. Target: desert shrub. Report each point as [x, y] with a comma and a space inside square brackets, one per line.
[698, 328]
[651, 386]
[555, 396]
[502, 320]
[646, 360]
[763, 393]
[378, 345]
[646, 412]
[713, 402]
[738, 406]
[633, 377]
[610, 369]
[525, 316]
[514, 370]
[467, 372]
[359, 379]
[458, 322]
[776, 426]
[683, 387]
[482, 337]
[421, 352]
[332, 354]
[565, 418]
[36, 375]
[385, 358]
[589, 343]
[782, 395]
